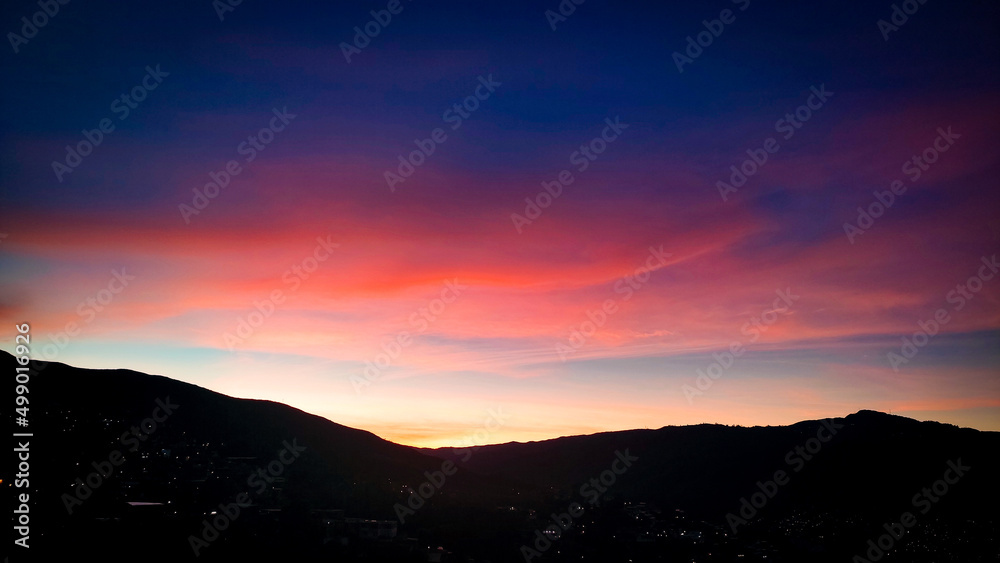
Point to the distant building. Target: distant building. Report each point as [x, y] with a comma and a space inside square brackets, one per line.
[372, 529]
[338, 528]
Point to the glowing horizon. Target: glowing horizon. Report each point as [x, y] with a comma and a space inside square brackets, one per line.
[700, 212]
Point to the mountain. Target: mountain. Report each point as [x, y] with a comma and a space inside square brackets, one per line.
[167, 461]
[871, 460]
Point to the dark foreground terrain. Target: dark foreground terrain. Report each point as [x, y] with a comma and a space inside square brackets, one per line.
[136, 467]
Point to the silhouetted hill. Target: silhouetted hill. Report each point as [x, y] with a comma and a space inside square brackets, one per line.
[200, 455]
[875, 462]
[846, 477]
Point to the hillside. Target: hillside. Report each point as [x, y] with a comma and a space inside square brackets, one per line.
[846, 476]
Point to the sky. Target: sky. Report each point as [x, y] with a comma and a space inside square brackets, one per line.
[422, 219]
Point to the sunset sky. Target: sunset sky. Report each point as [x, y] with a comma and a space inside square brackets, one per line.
[642, 240]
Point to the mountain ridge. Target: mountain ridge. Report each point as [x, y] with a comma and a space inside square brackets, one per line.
[866, 463]
[869, 414]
